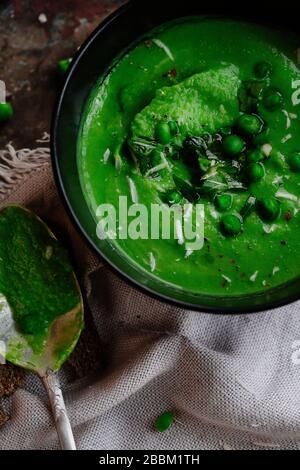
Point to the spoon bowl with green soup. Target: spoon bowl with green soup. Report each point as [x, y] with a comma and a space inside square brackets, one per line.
[178, 108]
[41, 307]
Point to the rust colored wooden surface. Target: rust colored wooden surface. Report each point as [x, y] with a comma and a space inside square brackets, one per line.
[30, 48]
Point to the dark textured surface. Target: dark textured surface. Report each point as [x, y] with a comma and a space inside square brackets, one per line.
[3, 417]
[29, 52]
[11, 378]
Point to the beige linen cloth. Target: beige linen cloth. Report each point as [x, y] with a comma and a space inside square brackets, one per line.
[232, 381]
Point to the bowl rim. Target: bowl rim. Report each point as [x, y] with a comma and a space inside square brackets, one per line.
[225, 310]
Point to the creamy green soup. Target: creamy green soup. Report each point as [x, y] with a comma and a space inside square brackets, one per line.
[203, 111]
[36, 277]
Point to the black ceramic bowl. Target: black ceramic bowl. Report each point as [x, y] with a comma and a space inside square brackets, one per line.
[121, 29]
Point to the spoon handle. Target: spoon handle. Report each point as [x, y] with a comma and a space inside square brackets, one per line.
[59, 411]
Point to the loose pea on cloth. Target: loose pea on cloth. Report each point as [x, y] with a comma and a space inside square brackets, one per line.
[232, 381]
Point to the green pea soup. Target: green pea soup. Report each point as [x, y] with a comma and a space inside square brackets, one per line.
[213, 104]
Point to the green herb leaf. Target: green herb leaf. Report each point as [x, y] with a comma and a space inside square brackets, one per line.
[218, 180]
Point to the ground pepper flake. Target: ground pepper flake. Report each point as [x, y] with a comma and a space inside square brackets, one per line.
[288, 216]
[149, 43]
[171, 73]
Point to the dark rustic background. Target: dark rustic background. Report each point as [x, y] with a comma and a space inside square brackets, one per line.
[29, 52]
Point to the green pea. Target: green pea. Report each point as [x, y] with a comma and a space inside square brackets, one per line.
[63, 65]
[223, 202]
[255, 155]
[6, 111]
[294, 162]
[268, 208]
[256, 171]
[272, 99]
[250, 124]
[163, 133]
[164, 421]
[231, 225]
[173, 126]
[263, 69]
[233, 145]
[174, 197]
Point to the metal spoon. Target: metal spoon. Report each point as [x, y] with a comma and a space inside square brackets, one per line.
[62, 336]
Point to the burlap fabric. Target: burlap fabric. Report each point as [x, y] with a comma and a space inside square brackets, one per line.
[232, 381]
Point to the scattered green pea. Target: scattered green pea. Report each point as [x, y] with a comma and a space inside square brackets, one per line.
[268, 208]
[173, 126]
[294, 162]
[233, 145]
[163, 133]
[63, 65]
[174, 197]
[231, 225]
[6, 111]
[164, 421]
[223, 202]
[272, 99]
[250, 124]
[263, 69]
[256, 171]
[255, 155]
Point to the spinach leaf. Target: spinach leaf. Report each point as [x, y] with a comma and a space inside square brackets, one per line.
[141, 148]
[217, 180]
[186, 188]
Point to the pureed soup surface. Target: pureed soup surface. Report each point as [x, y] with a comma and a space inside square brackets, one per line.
[204, 110]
